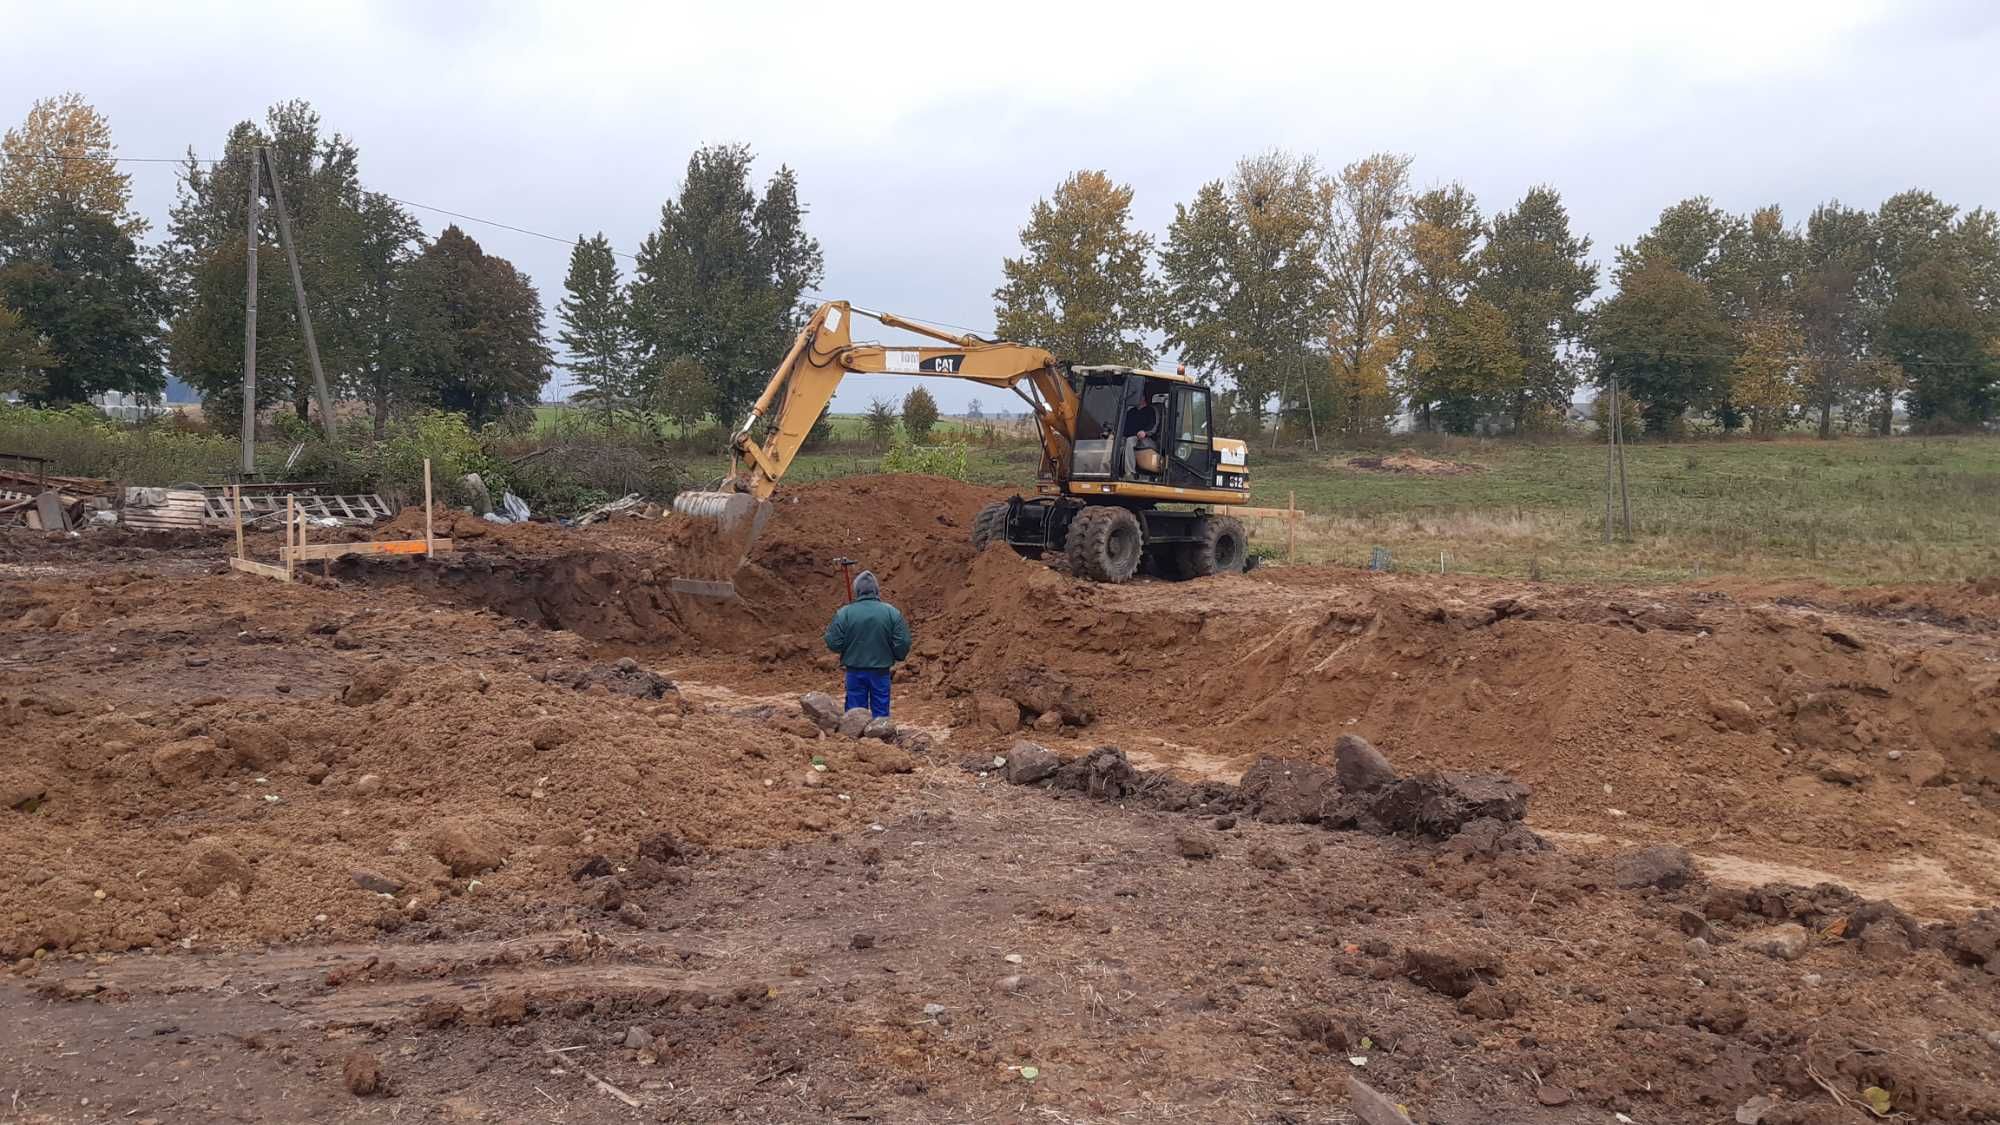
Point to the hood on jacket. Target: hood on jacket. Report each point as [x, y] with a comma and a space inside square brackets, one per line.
[865, 585]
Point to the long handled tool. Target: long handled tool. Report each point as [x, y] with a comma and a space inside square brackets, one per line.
[847, 571]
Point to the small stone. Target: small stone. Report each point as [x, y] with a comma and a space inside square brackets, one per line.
[638, 1039]
[883, 728]
[861, 941]
[1192, 845]
[367, 783]
[933, 1009]
[376, 881]
[1786, 942]
[812, 779]
[1013, 983]
[1225, 823]
[1699, 949]
[1812, 980]
[362, 1074]
[1552, 1095]
[1663, 865]
[1028, 763]
[1895, 755]
[1048, 722]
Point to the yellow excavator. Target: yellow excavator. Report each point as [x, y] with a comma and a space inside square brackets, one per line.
[1119, 445]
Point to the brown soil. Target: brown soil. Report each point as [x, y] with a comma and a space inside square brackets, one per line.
[528, 799]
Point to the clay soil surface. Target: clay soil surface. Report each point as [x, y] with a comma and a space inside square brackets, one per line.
[517, 834]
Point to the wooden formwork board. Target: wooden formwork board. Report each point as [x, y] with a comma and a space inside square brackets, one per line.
[385, 547]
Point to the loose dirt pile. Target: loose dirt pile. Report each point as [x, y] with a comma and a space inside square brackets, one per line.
[273, 772]
[1413, 464]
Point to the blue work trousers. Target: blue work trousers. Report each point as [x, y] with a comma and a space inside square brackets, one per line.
[869, 687]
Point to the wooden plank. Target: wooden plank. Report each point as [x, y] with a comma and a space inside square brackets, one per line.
[1259, 513]
[236, 507]
[265, 569]
[428, 548]
[1371, 1107]
[384, 547]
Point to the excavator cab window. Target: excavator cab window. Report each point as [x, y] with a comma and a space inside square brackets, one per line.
[1097, 427]
[1193, 454]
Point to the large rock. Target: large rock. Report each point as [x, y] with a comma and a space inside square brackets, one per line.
[1287, 792]
[1438, 805]
[854, 721]
[822, 709]
[996, 713]
[1040, 691]
[1360, 767]
[1028, 763]
[212, 865]
[1786, 942]
[1104, 773]
[883, 728]
[467, 848]
[1662, 865]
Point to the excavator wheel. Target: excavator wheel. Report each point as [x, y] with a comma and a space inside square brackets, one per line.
[990, 525]
[1220, 547]
[1105, 543]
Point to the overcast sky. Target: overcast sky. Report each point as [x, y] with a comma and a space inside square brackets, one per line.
[922, 133]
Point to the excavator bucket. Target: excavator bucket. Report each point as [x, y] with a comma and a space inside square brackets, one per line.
[726, 526]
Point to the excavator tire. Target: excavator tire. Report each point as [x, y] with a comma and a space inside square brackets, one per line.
[1220, 547]
[1105, 543]
[990, 525]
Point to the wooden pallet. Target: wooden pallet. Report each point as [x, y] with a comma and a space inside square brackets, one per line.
[361, 506]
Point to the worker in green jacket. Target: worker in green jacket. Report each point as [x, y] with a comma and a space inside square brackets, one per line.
[871, 637]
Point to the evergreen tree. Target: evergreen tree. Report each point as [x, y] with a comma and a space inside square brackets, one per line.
[722, 280]
[595, 325]
[1081, 287]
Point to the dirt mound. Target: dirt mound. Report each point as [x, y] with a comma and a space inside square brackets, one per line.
[1414, 464]
[474, 792]
[470, 532]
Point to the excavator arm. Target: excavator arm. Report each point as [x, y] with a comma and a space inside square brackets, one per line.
[824, 353]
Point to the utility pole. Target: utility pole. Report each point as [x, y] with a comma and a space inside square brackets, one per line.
[250, 323]
[326, 418]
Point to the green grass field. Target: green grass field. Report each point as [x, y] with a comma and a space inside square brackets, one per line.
[1852, 511]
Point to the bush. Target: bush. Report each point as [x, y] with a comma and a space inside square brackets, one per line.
[929, 460]
[81, 441]
[881, 422]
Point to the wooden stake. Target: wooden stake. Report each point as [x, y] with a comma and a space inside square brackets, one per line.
[429, 552]
[290, 507]
[1292, 526]
[236, 509]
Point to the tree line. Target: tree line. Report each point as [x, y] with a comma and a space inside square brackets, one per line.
[1333, 301]
[402, 321]
[1324, 301]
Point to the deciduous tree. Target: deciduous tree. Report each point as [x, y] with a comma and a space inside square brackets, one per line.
[62, 155]
[1666, 342]
[1538, 275]
[920, 415]
[489, 354]
[881, 422]
[1366, 249]
[1765, 378]
[75, 279]
[23, 356]
[1081, 287]
[683, 393]
[1837, 250]
[1444, 233]
[1245, 284]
